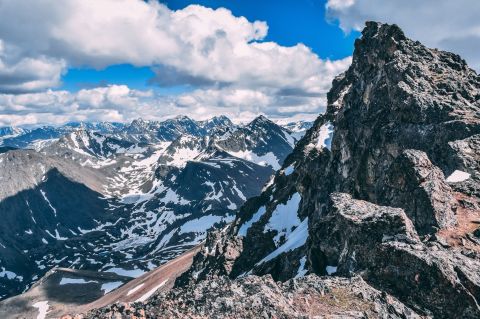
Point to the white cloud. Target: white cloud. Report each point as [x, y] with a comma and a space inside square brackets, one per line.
[193, 43]
[24, 74]
[445, 24]
[112, 103]
[120, 103]
[219, 54]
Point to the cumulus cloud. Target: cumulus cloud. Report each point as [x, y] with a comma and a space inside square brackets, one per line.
[223, 58]
[120, 103]
[445, 24]
[195, 45]
[25, 74]
[112, 103]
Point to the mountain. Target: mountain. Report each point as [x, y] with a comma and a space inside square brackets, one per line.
[99, 127]
[47, 204]
[38, 138]
[10, 131]
[90, 144]
[216, 123]
[260, 141]
[65, 290]
[92, 201]
[154, 131]
[29, 138]
[381, 194]
[198, 183]
[59, 291]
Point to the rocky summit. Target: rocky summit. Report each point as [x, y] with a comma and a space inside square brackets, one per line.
[379, 203]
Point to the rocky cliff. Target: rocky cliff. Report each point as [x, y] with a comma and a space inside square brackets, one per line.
[382, 191]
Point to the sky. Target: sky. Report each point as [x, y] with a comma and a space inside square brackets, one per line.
[117, 60]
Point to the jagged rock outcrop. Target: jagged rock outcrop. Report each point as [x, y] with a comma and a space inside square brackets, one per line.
[387, 181]
[350, 229]
[381, 243]
[414, 183]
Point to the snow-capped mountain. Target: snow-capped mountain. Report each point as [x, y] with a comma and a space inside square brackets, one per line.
[216, 124]
[298, 128]
[10, 131]
[39, 137]
[48, 205]
[27, 138]
[261, 141]
[90, 144]
[155, 131]
[383, 189]
[99, 127]
[93, 200]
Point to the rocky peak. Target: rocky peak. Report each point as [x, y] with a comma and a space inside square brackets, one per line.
[259, 121]
[399, 95]
[217, 125]
[380, 200]
[430, 85]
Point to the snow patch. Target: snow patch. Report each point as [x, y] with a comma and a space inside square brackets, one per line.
[268, 159]
[134, 273]
[296, 239]
[42, 307]
[75, 281]
[458, 176]
[289, 170]
[48, 202]
[302, 270]
[151, 292]
[331, 270]
[325, 135]
[284, 218]
[9, 274]
[131, 291]
[200, 225]
[109, 286]
[255, 218]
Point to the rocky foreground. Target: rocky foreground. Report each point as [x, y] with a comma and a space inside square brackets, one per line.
[262, 297]
[379, 202]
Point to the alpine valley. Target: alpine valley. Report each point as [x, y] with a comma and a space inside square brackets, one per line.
[125, 198]
[373, 213]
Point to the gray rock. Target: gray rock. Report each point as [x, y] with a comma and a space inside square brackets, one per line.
[416, 185]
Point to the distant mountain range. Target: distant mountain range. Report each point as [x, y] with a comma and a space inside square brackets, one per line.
[125, 197]
[138, 131]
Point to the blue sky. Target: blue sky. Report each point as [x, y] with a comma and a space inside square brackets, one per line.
[117, 60]
[290, 22]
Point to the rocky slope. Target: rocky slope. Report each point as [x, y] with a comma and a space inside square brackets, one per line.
[59, 291]
[51, 210]
[384, 186]
[64, 290]
[262, 297]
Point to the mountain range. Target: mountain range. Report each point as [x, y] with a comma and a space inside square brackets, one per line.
[374, 213]
[125, 198]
